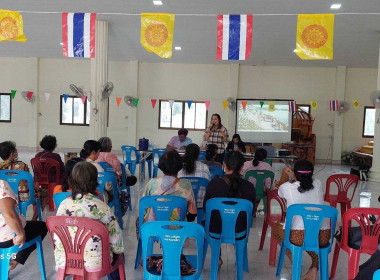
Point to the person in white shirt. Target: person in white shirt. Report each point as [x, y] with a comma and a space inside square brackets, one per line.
[304, 190]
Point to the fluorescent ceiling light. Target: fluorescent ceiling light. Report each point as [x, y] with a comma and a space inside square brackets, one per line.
[335, 6]
[295, 50]
[61, 44]
[177, 48]
[157, 2]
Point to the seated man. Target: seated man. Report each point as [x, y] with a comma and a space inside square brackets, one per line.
[179, 142]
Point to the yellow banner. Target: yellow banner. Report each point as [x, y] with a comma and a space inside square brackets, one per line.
[355, 103]
[271, 106]
[315, 36]
[11, 26]
[157, 33]
[314, 105]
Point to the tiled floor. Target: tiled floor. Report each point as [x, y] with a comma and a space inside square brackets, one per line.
[258, 260]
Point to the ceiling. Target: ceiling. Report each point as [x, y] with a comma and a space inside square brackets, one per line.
[356, 42]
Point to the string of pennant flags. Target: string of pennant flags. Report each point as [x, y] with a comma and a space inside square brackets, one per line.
[314, 40]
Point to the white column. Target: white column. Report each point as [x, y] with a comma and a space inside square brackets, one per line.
[133, 80]
[99, 76]
[375, 170]
[340, 88]
[232, 93]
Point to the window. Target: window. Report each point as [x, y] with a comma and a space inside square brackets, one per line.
[181, 116]
[304, 107]
[74, 112]
[369, 122]
[5, 107]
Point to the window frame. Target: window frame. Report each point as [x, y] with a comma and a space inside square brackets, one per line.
[10, 108]
[84, 112]
[364, 115]
[184, 103]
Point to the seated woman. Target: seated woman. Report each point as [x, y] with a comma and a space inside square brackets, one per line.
[211, 152]
[69, 166]
[233, 186]
[236, 144]
[11, 224]
[84, 203]
[106, 155]
[191, 166]
[303, 190]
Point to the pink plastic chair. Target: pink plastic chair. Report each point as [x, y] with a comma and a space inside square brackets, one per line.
[370, 238]
[270, 219]
[343, 182]
[74, 249]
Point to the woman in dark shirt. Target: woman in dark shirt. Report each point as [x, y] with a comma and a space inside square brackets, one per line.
[236, 144]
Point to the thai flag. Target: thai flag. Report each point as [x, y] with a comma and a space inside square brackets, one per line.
[234, 39]
[78, 34]
[292, 106]
[334, 106]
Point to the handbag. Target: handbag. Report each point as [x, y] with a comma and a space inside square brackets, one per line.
[354, 236]
[155, 265]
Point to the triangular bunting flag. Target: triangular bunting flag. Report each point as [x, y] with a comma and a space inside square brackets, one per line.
[314, 105]
[135, 101]
[355, 103]
[244, 104]
[153, 101]
[171, 102]
[225, 104]
[30, 94]
[189, 102]
[65, 96]
[207, 103]
[13, 93]
[84, 97]
[261, 104]
[271, 106]
[47, 96]
[118, 100]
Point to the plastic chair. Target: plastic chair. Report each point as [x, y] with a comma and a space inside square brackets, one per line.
[260, 176]
[202, 155]
[370, 238]
[172, 236]
[199, 188]
[106, 166]
[59, 197]
[343, 182]
[229, 210]
[376, 276]
[13, 177]
[312, 216]
[103, 178]
[127, 158]
[74, 247]
[45, 167]
[214, 171]
[269, 220]
[159, 153]
[162, 205]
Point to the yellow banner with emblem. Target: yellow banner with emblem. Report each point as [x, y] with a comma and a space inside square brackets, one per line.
[157, 33]
[11, 26]
[315, 36]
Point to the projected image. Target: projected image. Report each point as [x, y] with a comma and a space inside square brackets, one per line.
[257, 119]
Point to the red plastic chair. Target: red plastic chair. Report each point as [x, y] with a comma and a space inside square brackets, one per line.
[270, 219]
[45, 167]
[370, 238]
[343, 182]
[74, 249]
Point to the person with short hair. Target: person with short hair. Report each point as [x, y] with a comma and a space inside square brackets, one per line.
[84, 203]
[211, 152]
[179, 142]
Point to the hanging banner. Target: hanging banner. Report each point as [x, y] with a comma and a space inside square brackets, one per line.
[234, 37]
[65, 96]
[207, 103]
[189, 102]
[171, 102]
[261, 104]
[47, 96]
[13, 93]
[30, 94]
[153, 101]
[78, 34]
[314, 105]
[157, 33]
[292, 106]
[244, 104]
[135, 101]
[84, 99]
[355, 103]
[11, 26]
[271, 106]
[334, 105]
[225, 104]
[315, 36]
[118, 100]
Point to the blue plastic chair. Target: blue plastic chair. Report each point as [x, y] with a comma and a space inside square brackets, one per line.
[127, 158]
[162, 205]
[202, 155]
[158, 153]
[13, 177]
[104, 177]
[59, 197]
[106, 166]
[172, 236]
[376, 275]
[199, 183]
[312, 215]
[214, 171]
[229, 209]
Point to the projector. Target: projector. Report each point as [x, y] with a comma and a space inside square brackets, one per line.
[283, 153]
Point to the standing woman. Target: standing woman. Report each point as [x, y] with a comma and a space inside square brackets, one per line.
[217, 134]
